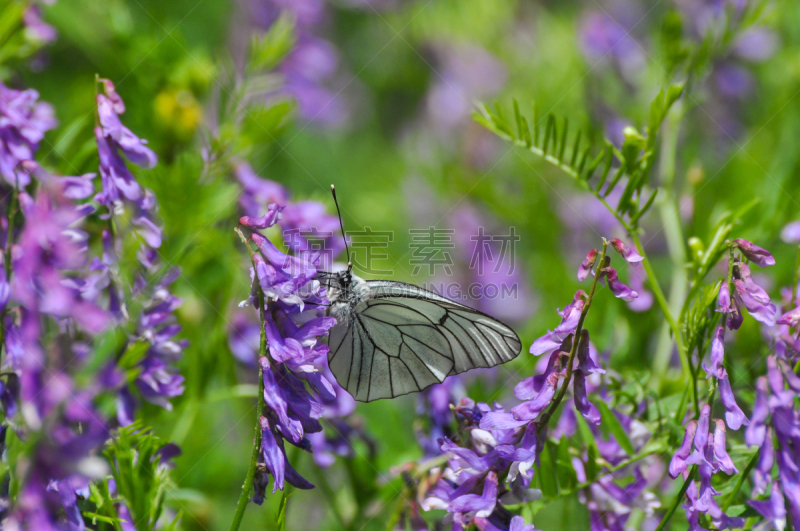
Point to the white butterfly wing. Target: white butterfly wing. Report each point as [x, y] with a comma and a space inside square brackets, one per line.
[403, 339]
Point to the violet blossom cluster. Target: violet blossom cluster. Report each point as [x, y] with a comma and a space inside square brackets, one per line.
[749, 295]
[774, 425]
[774, 429]
[55, 299]
[24, 120]
[44, 323]
[710, 454]
[711, 457]
[304, 225]
[39, 392]
[507, 444]
[157, 378]
[296, 363]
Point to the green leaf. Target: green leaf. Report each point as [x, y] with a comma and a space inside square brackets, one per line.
[268, 50]
[133, 354]
[548, 481]
[567, 479]
[610, 422]
[135, 466]
[281, 520]
[591, 447]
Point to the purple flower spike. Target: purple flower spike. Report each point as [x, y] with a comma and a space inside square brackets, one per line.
[582, 404]
[754, 253]
[677, 465]
[269, 219]
[734, 416]
[620, 290]
[630, 256]
[587, 265]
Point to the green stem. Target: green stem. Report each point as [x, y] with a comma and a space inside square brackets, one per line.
[686, 361]
[678, 499]
[247, 487]
[670, 218]
[576, 339]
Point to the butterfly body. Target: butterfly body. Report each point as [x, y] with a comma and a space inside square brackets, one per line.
[393, 338]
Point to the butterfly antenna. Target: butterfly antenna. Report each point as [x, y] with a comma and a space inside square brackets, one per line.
[341, 225]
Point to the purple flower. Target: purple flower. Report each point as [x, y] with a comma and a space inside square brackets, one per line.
[517, 524]
[729, 306]
[435, 403]
[791, 232]
[677, 465]
[41, 30]
[244, 338]
[755, 432]
[311, 65]
[267, 220]
[569, 323]
[119, 186]
[754, 253]
[734, 416]
[587, 265]
[602, 36]
[630, 256]
[258, 192]
[23, 123]
[476, 505]
[273, 456]
[297, 359]
[773, 509]
[723, 460]
[752, 296]
[710, 456]
[718, 354]
[620, 290]
[582, 404]
[790, 318]
[762, 474]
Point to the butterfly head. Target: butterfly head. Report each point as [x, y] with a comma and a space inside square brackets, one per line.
[344, 279]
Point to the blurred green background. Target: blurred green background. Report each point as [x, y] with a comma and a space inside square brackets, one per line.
[385, 115]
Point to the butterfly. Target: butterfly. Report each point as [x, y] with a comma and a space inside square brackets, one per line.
[394, 338]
